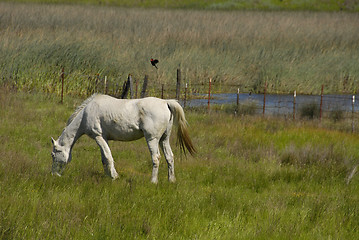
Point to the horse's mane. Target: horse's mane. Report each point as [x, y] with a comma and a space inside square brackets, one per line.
[79, 108]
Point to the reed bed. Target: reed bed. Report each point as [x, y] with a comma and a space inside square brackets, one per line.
[237, 49]
[314, 5]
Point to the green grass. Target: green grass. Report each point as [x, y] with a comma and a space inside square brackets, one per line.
[237, 49]
[253, 178]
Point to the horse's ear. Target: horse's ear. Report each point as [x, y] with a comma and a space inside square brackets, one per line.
[53, 141]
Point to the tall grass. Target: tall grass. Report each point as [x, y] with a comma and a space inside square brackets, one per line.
[314, 5]
[253, 178]
[290, 50]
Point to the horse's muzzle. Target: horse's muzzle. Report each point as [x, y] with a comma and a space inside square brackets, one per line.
[57, 169]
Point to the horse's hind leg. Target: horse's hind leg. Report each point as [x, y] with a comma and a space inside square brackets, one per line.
[155, 155]
[167, 151]
[107, 160]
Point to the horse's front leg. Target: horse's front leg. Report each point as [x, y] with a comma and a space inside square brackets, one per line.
[107, 160]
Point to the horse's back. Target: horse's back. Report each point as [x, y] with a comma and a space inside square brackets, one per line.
[115, 119]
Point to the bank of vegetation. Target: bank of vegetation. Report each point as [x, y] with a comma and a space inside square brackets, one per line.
[272, 5]
[237, 49]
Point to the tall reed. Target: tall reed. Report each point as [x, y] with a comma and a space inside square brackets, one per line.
[288, 50]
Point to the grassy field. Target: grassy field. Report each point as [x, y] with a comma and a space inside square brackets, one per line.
[288, 50]
[253, 178]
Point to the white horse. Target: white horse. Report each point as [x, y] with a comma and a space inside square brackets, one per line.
[104, 118]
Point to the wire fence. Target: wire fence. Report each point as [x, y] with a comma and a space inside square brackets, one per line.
[336, 107]
[208, 94]
[284, 104]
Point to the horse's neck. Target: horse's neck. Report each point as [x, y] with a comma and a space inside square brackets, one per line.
[72, 132]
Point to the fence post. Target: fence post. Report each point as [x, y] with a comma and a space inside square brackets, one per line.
[353, 113]
[127, 85]
[144, 86]
[178, 86]
[237, 109]
[105, 87]
[130, 82]
[237, 97]
[294, 97]
[264, 97]
[62, 84]
[209, 92]
[321, 104]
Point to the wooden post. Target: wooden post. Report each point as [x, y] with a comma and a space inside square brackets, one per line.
[353, 102]
[178, 86]
[130, 82]
[124, 90]
[209, 93]
[62, 84]
[321, 104]
[127, 85]
[105, 87]
[144, 87]
[264, 98]
[237, 109]
[237, 97]
[294, 97]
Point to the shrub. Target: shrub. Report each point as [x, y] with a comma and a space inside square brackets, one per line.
[309, 110]
[336, 115]
[248, 107]
[331, 157]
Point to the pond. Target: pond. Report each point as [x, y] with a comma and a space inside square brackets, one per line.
[280, 103]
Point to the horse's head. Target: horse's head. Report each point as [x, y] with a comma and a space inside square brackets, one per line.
[60, 157]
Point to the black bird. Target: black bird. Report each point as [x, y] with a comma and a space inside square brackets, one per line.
[154, 62]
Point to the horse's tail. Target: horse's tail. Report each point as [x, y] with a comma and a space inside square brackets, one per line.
[182, 133]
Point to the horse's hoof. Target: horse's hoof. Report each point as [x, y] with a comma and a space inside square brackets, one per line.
[56, 174]
[114, 176]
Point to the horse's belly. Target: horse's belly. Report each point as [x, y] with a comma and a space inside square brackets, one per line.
[124, 134]
[120, 136]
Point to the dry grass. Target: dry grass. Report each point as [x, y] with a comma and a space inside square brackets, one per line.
[289, 50]
[314, 5]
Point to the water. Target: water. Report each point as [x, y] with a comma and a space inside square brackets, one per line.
[281, 103]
